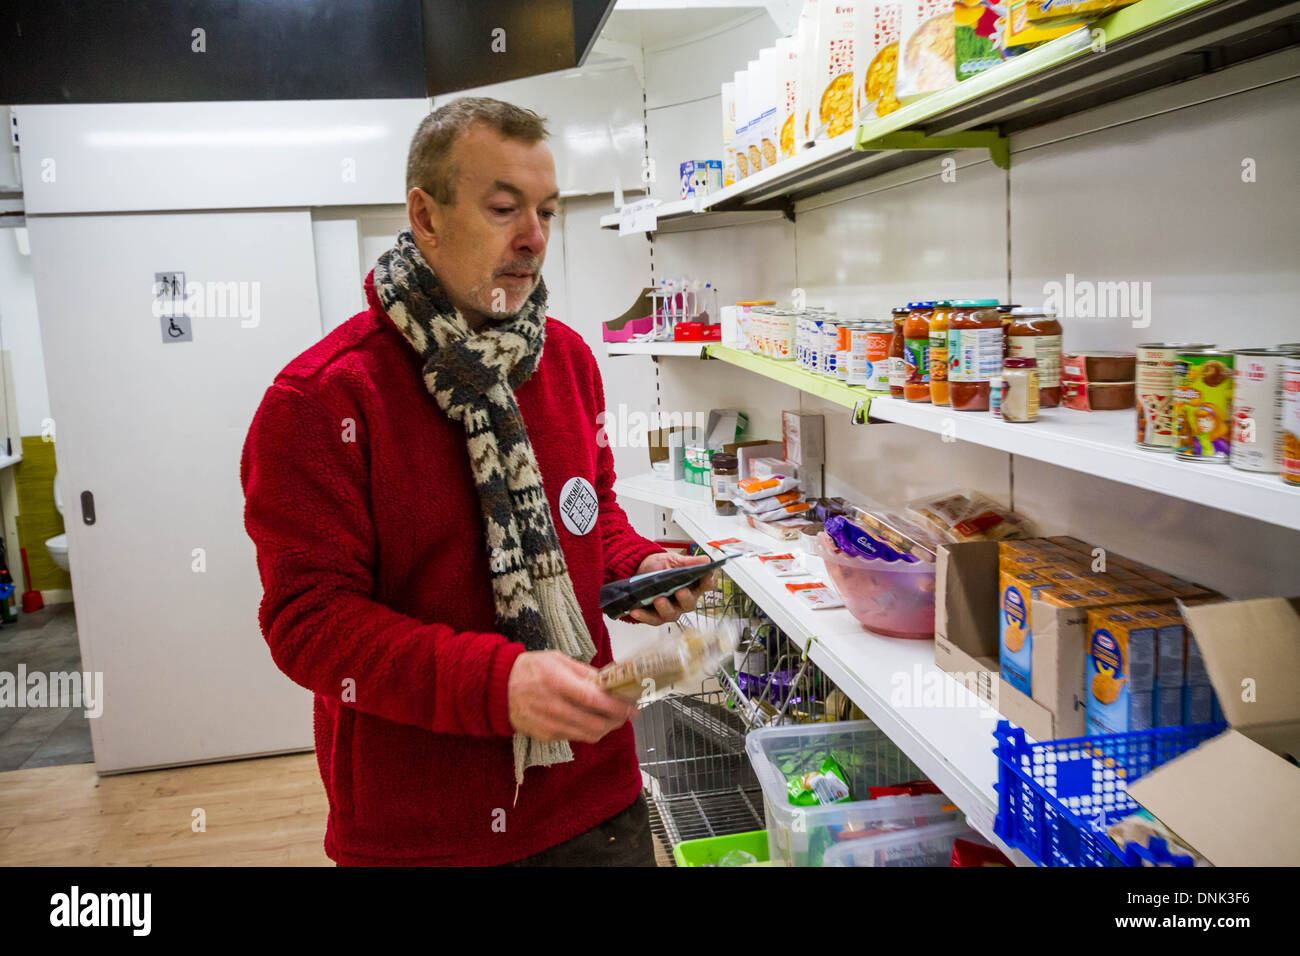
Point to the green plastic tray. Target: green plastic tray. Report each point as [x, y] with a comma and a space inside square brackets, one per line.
[704, 852]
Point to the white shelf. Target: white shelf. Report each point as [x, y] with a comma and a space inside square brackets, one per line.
[1102, 444]
[7, 461]
[953, 745]
[688, 349]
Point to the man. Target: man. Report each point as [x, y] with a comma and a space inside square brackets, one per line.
[434, 518]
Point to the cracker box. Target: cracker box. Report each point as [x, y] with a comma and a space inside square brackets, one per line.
[831, 102]
[875, 58]
[1120, 674]
[787, 95]
[806, 41]
[769, 134]
[741, 142]
[926, 49]
[728, 133]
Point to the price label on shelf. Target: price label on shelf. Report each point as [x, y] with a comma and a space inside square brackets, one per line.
[637, 216]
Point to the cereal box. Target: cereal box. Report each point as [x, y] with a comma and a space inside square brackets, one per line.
[753, 94]
[977, 36]
[926, 55]
[1021, 34]
[728, 133]
[875, 58]
[740, 152]
[1120, 672]
[768, 132]
[831, 105]
[806, 41]
[787, 89]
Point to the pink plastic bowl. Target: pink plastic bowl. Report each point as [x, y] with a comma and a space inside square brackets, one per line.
[895, 598]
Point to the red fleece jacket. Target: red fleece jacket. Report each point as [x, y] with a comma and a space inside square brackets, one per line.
[377, 597]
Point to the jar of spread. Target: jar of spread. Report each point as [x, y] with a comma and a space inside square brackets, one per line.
[726, 472]
[974, 353]
[897, 366]
[1020, 389]
[916, 351]
[1037, 334]
[1005, 312]
[939, 351]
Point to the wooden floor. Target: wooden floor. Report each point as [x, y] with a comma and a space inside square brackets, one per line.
[265, 812]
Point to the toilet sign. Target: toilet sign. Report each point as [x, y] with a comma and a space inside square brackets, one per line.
[169, 306]
[579, 506]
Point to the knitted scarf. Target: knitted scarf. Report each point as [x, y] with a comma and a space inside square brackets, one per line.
[472, 376]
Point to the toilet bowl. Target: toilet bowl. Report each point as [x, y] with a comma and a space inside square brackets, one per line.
[58, 545]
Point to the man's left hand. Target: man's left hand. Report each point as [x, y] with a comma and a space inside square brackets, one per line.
[665, 609]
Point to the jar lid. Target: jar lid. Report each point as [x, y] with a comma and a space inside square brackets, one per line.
[724, 459]
[1025, 310]
[920, 305]
[975, 303]
[901, 310]
[756, 302]
[1008, 308]
[1020, 362]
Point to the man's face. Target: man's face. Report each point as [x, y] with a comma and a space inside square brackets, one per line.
[488, 247]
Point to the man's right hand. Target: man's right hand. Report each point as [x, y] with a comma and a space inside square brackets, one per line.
[553, 697]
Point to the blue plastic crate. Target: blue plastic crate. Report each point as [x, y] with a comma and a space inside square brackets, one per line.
[1056, 798]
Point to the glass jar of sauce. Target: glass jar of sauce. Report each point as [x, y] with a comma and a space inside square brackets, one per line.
[897, 365]
[1036, 334]
[939, 351]
[916, 351]
[974, 353]
[726, 472]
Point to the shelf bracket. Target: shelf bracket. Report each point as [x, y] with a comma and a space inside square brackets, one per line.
[998, 146]
[859, 414]
[783, 204]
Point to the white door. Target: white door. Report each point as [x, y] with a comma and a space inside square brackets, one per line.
[165, 579]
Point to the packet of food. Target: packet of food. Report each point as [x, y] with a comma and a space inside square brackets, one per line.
[783, 565]
[820, 788]
[751, 489]
[959, 517]
[899, 533]
[760, 505]
[815, 594]
[683, 659]
[852, 540]
[736, 546]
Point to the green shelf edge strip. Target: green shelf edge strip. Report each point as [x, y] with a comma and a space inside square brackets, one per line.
[998, 146]
[1117, 26]
[787, 373]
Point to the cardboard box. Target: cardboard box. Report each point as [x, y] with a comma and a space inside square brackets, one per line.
[804, 437]
[1234, 797]
[966, 638]
[728, 133]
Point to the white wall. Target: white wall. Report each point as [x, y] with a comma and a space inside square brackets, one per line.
[1149, 189]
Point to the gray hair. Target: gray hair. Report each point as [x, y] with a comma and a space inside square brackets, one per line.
[429, 166]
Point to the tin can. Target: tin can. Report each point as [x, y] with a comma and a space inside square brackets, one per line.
[826, 347]
[996, 389]
[1291, 420]
[1203, 405]
[812, 348]
[800, 340]
[783, 340]
[879, 336]
[1257, 410]
[1154, 392]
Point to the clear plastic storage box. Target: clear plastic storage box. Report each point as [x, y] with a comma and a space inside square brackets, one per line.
[800, 836]
[929, 845]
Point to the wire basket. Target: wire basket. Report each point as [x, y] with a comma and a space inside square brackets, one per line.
[699, 780]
